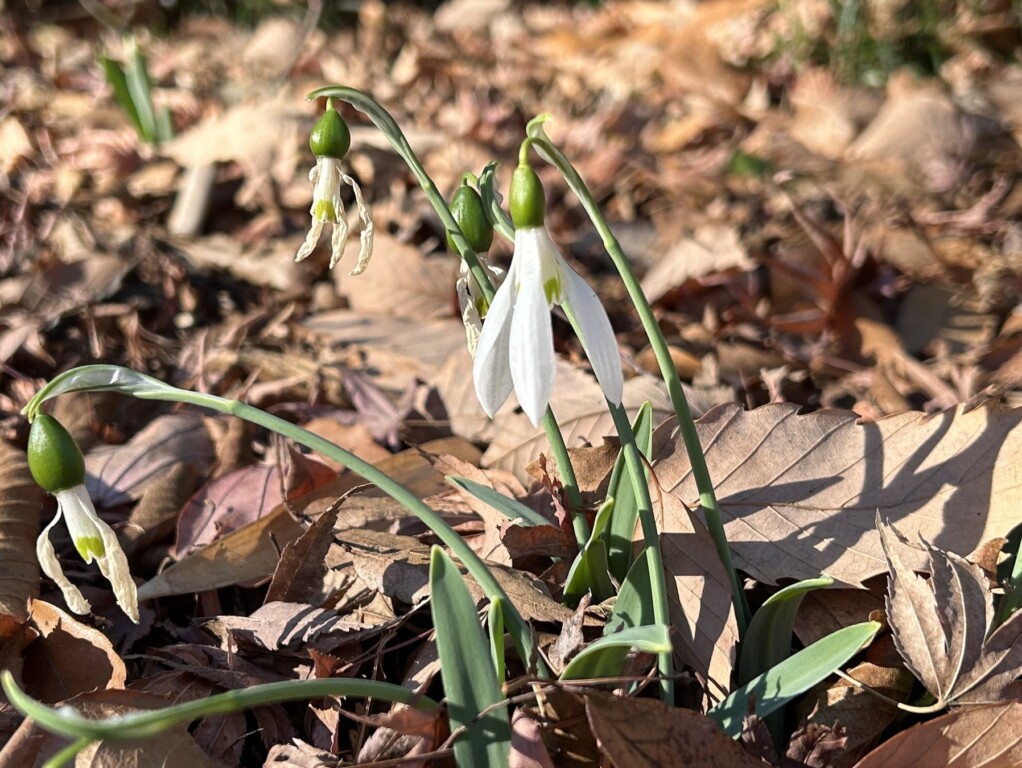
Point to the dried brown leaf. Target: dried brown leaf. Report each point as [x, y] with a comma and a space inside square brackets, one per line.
[302, 567]
[172, 748]
[941, 627]
[234, 500]
[121, 473]
[69, 657]
[646, 732]
[799, 494]
[20, 501]
[981, 737]
[699, 595]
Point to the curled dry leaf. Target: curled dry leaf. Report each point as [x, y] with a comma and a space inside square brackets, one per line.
[68, 657]
[799, 494]
[942, 627]
[20, 501]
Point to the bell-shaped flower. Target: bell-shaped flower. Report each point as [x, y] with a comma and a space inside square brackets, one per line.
[57, 465]
[330, 140]
[515, 349]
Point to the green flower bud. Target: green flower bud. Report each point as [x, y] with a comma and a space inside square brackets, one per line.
[467, 207]
[54, 459]
[330, 136]
[528, 200]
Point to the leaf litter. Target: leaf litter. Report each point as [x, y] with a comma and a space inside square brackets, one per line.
[832, 244]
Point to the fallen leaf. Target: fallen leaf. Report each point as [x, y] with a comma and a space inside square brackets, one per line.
[980, 737]
[171, 748]
[709, 250]
[302, 566]
[119, 474]
[943, 629]
[799, 494]
[699, 595]
[234, 500]
[634, 732]
[68, 658]
[20, 501]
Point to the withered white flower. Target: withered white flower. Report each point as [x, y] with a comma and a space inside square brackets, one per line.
[472, 302]
[515, 349]
[330, 140]
[58, 467]
[94, 540]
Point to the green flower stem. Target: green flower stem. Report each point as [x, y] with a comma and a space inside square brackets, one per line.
[383, 120]
[111, 377]
[68, 753]
[657, 580]
[139, 725]
[573, 496]
[707, 498]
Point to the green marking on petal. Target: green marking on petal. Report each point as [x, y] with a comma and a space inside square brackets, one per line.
[90, 547]
[324, 211]
[552, 289]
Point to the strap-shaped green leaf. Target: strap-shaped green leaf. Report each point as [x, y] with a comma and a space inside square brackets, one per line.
[590, 572]
[604, 657]
[510, 508]
[634, 604]
[796, 675]
[768, 639]
[470, 681]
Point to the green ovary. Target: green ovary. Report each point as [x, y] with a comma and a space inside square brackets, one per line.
[90, 547]
[324, 211]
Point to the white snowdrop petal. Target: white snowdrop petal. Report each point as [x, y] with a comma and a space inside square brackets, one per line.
[491, 370]
[531, 349]
[47, 557]
[83, 523]
[596, 334]
[315, 229]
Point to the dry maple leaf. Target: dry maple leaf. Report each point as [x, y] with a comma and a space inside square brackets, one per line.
[943, 627]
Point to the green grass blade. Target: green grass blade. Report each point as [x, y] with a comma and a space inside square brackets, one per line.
[792, 677]
[604, 657]
[768, 639]
[140, 88]
[115, 76]
[626, 510]
[470, 681]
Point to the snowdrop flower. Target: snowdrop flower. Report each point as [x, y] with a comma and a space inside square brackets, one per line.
[515, 348]
[58, 467]
[329, 141]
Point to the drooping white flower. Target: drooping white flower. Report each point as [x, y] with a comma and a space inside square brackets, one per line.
[94, 540]
[515, 349]
[330, 140]
[58, 467]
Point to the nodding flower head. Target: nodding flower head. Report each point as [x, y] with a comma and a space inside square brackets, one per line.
[515, 349]
[58, 467]
[329, 141]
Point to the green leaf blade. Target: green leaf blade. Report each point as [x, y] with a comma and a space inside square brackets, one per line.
[792, 677]
[470, 681]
